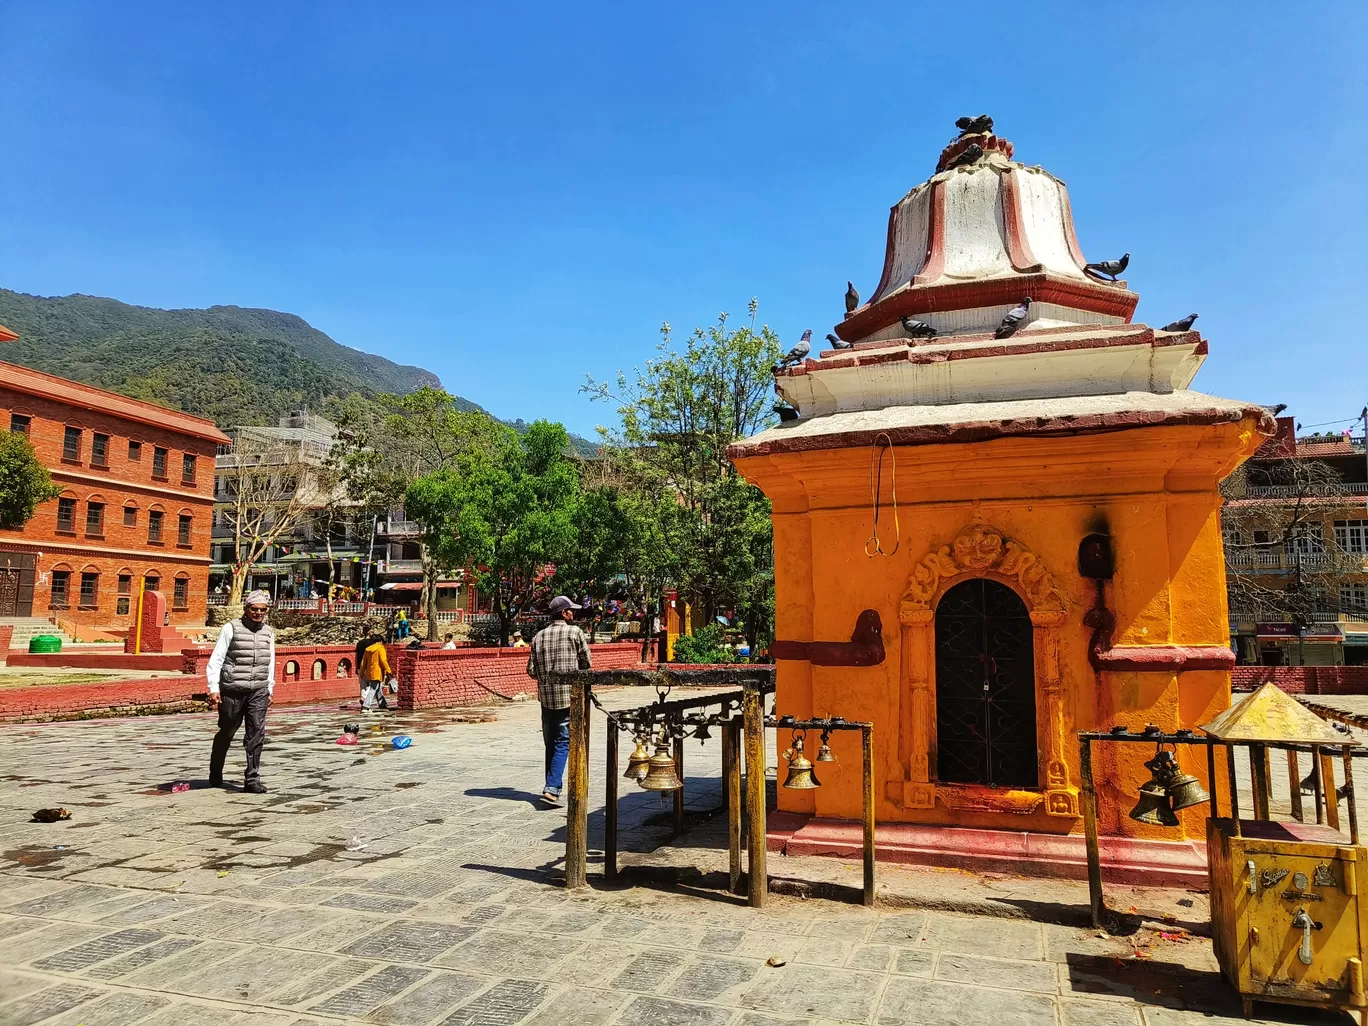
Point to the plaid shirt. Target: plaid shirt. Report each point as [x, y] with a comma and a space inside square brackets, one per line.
[558, 648]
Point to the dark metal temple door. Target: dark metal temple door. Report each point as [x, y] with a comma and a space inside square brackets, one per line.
[985, 687]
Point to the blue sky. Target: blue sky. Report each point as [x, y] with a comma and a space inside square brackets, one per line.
[514, 195]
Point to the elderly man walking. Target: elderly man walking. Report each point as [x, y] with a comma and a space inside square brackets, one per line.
[558, 648]
[241, 680]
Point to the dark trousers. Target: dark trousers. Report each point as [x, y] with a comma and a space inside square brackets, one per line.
[235, 706]
[556, 737]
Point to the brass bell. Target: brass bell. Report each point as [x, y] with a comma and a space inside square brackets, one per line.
[800, 776]
[1154, 807]
[824, 753]
[660, 773]
[639, 762]
[1185, 791]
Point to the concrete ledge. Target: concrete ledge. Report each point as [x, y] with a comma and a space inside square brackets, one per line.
[1125, 860]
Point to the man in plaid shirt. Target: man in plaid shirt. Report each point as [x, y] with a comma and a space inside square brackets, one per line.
[558, 648]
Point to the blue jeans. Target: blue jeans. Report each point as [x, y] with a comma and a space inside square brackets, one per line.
[556, 737]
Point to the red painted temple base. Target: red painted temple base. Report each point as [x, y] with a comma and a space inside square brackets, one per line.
[1125, 860]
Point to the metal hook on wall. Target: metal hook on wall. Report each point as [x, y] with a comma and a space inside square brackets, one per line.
[882, 443]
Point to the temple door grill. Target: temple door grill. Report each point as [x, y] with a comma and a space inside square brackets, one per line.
[985, 688]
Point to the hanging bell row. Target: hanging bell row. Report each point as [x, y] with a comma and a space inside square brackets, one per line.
[639, 762]
[1168, 790]
[824, 753]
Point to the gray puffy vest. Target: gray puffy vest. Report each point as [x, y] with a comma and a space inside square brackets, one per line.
[247, 665]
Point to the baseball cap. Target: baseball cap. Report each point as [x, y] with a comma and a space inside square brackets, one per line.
[561, 603]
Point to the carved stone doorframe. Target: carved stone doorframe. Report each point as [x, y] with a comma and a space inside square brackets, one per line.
[983, 552]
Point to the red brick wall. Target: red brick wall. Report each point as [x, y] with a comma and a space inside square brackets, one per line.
[1303, 680]
[118, 549]
[434, 678]
[304, 657]
[132, 695]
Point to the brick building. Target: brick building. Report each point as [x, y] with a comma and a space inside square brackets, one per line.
[137, 503]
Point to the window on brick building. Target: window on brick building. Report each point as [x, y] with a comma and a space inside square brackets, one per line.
[135, 451]
[188, 468]
[71, 444]
[95, 519]
[183, 529]
[159, 462]
[122, 603]
[152, 582]
[66, 515]
[180, 594]
[1351, 535]
[19, 423]
[90, 590]
[154, 525]
[99, 450]
[1354, 600]
[61, 584]
[130, 516]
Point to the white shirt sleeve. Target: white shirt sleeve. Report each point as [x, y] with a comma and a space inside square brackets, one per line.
[215, 668]
[270, 668]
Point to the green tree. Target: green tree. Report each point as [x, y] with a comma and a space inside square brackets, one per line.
[669, 451]
[387, 444]
[24, 481]
[507, 511]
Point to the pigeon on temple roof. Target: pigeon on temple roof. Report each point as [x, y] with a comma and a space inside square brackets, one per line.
[1013, 320]
[1111, 268]
[917, 329]
[971, 153]
[1185, 324]
[837, 343]
[799, 352]
[971, 126]
[852, 297]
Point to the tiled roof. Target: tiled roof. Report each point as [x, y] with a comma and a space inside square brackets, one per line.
[49, 386]
[6, 335]
[1340, 447]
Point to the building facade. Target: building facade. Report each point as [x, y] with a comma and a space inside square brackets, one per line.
[135, 509]
[1295, 527]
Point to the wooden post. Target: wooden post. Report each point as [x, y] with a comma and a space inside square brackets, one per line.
[1316, 784]
[610, 803]
[1349, 793]
[867, 743]
[1234, 789]
[753, 715]
[1090, 832]
[1327, 765]
[731, 762]
[577, 802]
[1211, 779]
[1258, 775]
[679, 795]
[1294, 783]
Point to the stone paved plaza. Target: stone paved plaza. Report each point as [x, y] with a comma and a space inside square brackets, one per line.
[422, 887]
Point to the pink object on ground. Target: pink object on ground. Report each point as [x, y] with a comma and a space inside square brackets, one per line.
[179, 786]
[347, 739]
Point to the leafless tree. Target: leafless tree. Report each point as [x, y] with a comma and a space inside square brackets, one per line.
[1281, 565]
[271, 489]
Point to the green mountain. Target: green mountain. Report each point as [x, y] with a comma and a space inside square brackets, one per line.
[228, 363]
[232, 364]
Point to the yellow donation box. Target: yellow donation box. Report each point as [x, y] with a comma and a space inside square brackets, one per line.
[1287, 921]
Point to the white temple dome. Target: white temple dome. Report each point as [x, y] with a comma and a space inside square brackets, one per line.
[972, 241]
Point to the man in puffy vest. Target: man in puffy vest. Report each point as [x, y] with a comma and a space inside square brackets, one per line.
[241, 679]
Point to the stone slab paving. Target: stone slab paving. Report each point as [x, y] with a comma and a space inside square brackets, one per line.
[421, 887]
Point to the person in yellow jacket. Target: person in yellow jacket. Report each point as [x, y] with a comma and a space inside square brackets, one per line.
[374, 671]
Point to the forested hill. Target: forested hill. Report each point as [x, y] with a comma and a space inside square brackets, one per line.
[236, 365]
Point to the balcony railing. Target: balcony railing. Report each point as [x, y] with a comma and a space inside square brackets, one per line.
[401, 566]
[1292, 491]
[1275, 560]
